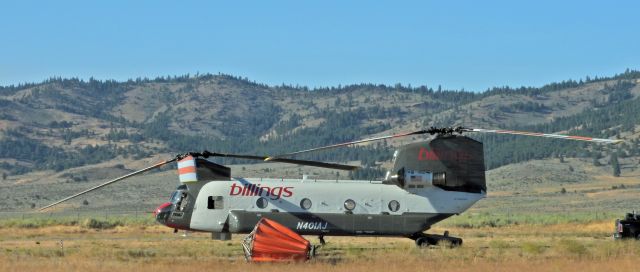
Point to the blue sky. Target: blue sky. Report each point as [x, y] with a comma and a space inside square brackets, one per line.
[457, 44]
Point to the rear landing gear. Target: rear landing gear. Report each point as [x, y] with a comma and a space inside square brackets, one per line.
[426, 240]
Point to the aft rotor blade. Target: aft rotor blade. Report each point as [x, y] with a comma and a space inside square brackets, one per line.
[430, 131]
[109, 182]
[293, 161]
[547, 135]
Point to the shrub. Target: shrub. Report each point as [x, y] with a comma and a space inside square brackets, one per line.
[533, 248]
[140, 253]
[572, 247]
[100, 224]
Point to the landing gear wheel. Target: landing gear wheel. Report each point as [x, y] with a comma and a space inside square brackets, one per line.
[426, 240]
[455, 242]
[321, 238]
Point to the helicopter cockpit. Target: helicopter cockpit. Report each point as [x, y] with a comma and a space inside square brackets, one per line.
[180, 198]
[178, 201]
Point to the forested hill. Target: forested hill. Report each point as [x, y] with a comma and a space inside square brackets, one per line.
[66, 123]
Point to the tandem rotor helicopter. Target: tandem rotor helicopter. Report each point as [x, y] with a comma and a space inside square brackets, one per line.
[430, 181]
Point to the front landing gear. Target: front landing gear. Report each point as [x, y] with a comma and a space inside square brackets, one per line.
[425, 240]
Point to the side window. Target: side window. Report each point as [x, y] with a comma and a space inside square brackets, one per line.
[262, 203]
[394, 205]
[305, 203]
[215, 202]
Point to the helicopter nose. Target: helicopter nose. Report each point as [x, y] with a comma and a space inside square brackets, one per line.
[162, 212]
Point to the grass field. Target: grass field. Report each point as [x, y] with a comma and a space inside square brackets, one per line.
[525, 223]
[582, 244]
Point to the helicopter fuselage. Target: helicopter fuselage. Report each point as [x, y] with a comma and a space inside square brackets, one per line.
[311, 207]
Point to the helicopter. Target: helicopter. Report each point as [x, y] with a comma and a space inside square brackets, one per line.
[430, 181]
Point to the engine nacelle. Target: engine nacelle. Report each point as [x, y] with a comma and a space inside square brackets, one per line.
[417, 179]
[414, 179]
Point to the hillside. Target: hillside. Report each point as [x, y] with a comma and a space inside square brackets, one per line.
[69, 131]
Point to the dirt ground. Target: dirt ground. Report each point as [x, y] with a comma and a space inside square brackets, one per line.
[560, 247]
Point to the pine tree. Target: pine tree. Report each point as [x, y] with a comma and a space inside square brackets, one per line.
[615, 165]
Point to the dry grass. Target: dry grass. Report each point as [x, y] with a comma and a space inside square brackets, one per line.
[80, 264]
[561, 247]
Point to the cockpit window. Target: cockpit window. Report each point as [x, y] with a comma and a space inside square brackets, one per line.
[175, 197]
[183, 200]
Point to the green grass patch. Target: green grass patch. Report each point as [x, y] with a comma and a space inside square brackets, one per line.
[572, 247]
[533, 248]
[484, 219]
[88, 221]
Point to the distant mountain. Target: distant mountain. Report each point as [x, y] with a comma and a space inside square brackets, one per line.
[64, 123]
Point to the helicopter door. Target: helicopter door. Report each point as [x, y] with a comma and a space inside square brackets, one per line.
[392, 208]
[367, 221]
[211, 213]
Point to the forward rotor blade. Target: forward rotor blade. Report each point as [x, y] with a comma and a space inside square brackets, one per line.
[293, 161]
[109, 182]
[316, 164]
[430, 131]
[547, 135]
